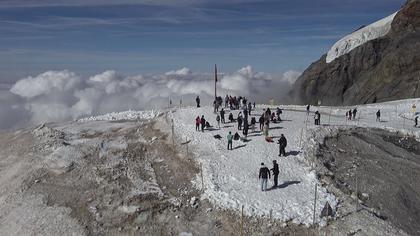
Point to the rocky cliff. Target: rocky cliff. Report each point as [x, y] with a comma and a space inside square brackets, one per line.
[382, 69]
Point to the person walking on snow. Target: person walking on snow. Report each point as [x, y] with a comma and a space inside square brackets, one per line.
[218, 121]
[249, 108]
[197, 123]
[203, 123]
[282, 145]
[307, 109]
[222, 115]
[261, 121]
[378, 116]
[253, 123]
[197, 100]
[415, 121]
[350, 114]
[276, 172]
[230, 140]
[264, 176]
[230, 117]
[240, 121]
[246, 127]
[354, 113]
[265, 129]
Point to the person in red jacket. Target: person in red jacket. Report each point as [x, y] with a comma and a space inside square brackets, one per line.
[197, 123]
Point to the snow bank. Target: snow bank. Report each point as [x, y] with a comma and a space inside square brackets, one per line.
[359, 37]
[125, 115]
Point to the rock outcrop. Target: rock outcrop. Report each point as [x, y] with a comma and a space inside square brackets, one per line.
[383, 69]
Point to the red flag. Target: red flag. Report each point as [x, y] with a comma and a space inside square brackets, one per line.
[215, 72]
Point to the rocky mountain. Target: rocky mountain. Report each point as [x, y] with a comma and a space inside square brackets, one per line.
[380, 62]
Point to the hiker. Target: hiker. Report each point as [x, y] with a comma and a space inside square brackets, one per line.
[239, 121]
[245, 132]
[378, 115]
[254, 105]
[307, 109]
[282, 145]
[261, 121]
[230, 117]
[264, 176]
[276, 172]
[249, 108]
[279, 112]
[197, 123]
[354, 113]
[265, 129]
[226, 101]
[208, 126]
[197, 100]
[222, 115]
[316, 117]
[230, 140]
[218, 120]
[350, 114]
[253, 122]
[203, 123]
[415, 121]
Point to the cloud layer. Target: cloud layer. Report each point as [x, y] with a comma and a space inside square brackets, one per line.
[63, 95]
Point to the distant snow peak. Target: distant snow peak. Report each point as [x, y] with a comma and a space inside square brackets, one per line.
[360, 37]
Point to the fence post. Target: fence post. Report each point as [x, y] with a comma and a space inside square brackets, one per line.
[173, 133]
[186, 143]
[316, 190]
[202, 179]
[242, 220]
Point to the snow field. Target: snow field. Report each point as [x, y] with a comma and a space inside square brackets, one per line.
[231, 177]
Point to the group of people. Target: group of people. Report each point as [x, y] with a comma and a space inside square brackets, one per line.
[351, 114]
[265, 174]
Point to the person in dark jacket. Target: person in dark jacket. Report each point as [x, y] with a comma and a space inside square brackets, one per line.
[354, 113]
[264, 176]
[249, 108]
[230, 140]
[230, 117]
[197, 100]
[203, 123]
[261, 121]
[308, 107]
[246, 127]
[378, 115]
[222, 115]
[415, 121]
[239, 121]
[282, 145]
[276, 172]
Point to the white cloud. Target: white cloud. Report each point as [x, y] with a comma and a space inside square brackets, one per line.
[63, 95]
[45, 83]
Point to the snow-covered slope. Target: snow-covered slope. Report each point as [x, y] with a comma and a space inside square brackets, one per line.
[125, 115]
[359, 37]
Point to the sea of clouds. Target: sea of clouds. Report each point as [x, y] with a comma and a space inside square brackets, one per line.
[63, 95]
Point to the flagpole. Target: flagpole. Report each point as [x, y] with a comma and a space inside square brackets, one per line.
[215, 82]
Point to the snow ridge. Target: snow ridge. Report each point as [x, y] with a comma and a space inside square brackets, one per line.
[360, 37]
[125, 115]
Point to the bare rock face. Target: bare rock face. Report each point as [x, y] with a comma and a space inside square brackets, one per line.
[384, 69]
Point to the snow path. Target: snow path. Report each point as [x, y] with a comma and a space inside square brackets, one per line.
[231, 177]
[360, 37]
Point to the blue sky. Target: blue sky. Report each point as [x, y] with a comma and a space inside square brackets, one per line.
[154, 36]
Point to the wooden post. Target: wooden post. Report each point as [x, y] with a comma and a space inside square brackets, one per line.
[173, 133]
[329, 117]
[357, 192]
[186, 144]
[202, 179]
[316, 190]
[242, 220]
